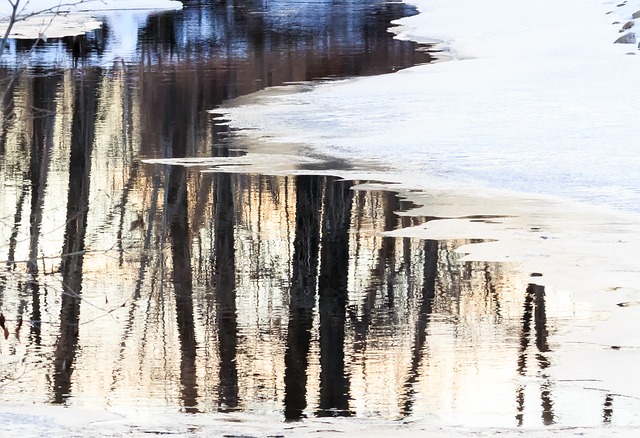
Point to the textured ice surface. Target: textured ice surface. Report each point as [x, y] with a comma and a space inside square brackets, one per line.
[537, 100]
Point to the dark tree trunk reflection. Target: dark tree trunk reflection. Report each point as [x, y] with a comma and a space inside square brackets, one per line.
[183, 284]
[44, 90]
[82, 135]
[607, 409]
[422, 323]
[332, 290]
[382, 275]
[542, 345]
[534, 309]
[303, 293]
[225, 287]
[180, 114]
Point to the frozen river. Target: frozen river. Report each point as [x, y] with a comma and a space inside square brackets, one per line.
[181, 255]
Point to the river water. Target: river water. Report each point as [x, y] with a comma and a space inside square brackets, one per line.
[132, 285]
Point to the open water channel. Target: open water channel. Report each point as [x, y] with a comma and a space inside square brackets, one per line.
[126, 284]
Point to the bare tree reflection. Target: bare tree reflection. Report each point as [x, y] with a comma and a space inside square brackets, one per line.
[44, 102]
[82, 136]
[303, 293]
[225, 287]
[607, 410]
[535, 296]
[332, 290]
[542, 333]
[422, 322]
[17, 219]
[178, 210]
[44, 91]
[180, 113]
[383, 274]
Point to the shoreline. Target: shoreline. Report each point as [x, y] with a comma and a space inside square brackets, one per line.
[585, 252]
[60, 421]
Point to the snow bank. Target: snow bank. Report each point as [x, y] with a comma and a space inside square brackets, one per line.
[57, 422]
[538, 100]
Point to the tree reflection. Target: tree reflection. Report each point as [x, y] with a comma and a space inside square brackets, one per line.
[178, 210]
[332, 290]
[44, 107]
[534, 308]
[607, 409]
[375, 347]
[225, 290]
[422, 323]
[302, 293]
[383, 274]
[82, 137]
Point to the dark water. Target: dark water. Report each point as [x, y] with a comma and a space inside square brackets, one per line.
[145, 286]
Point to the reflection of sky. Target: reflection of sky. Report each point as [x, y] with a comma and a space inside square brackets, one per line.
[217, 30]
[56, 18]
[121, 43]
[204, 25]
[309, 15]
[123, 26]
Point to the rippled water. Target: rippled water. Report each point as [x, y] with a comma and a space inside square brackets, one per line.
[243, 292]
[149, 286]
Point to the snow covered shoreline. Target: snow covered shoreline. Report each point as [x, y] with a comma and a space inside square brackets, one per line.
[497, 28]
[532, 107]
[55, 421]
[536, 109]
